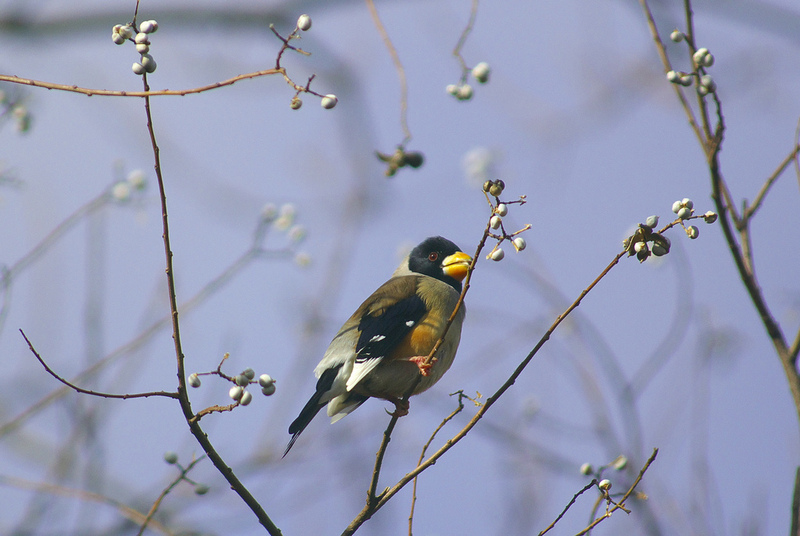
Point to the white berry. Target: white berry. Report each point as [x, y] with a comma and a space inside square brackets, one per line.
[246, 398]
[329, 101]
[148, 63]
[137, 68]
[142, 37]
[501, 210]
[587, 469]
[125, 31]
[495, 222]
[452, 89]
[268, 390]
[699, 56]
[674, 77]
[142, 48]
[236, 392]
[481, 72]
[265, 379]
[304, 22]
[194, 380]
[241, 380]
[148, 26]
[497, 254]
[171, 458]
[652, 222]
[676, 206]
[684, 213]
[693, 232]
[604, 484]
[464, 92]
[520, 243]
[249, 373]
[676, 36]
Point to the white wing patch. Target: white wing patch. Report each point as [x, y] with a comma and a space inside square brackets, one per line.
[377, 338]
[360, 371]
[410, 323]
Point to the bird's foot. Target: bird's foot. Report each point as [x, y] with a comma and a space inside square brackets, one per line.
[420, 361]
[400, 407]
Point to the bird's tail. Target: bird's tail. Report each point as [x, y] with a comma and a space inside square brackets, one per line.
[308, 412]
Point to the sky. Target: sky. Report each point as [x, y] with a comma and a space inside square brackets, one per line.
[577, 116]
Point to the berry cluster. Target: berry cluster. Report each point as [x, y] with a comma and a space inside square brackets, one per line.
[647, 241]
[463, 91]
[701, 59]
[121, 33]
[494, 188]
[172, 459]
[303, 25]
[238, 392]
[122, 191]
[604, 484]
[283, 219]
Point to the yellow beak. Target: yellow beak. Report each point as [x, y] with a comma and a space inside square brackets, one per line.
[457, 265]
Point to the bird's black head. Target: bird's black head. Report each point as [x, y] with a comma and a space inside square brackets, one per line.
[439, 258]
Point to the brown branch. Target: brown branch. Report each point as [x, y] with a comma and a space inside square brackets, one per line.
[621, 504]
[751, 210]
[81, 390]
[398, 66]
[124, 510]
[447, 419]
[157, 503]
[586, 488]
[183, 396]
[375, 503]
[662, 54]
[146, 93]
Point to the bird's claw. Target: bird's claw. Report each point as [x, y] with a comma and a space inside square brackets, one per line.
[400, 408]
[424, 367]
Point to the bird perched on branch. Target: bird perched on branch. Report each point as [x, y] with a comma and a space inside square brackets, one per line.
[382, 349]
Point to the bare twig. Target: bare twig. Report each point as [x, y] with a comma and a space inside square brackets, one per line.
[398, 66]
[620, 505]
[89, 391]
[157, 503]
[586, 488]
[751, 210]
[183, 397]
[124, 510]
[374, 503]
[147, 93]
[447, 419]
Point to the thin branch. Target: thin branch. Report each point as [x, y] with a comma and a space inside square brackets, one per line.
[751, 210]
[447, 419]
[586, 488]
[462, 40]
[146, 93]
[89, 391]
[398, 66]
[183, 397]
[157, 503]
[124, 510]
[375, 503]
[621, 504]
[662, 53]
[429, 360]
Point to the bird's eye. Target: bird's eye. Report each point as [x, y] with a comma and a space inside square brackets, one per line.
[433, 256]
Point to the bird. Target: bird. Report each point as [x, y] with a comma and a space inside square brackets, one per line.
[381, 350]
